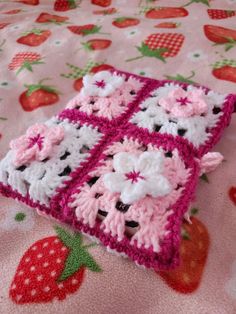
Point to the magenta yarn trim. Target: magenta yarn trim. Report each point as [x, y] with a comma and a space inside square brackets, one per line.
[168, 257]
[229, 107]
[112, 131]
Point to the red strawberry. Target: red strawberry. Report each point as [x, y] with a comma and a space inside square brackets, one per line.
[78, 73]
[232, 194]
[25, 60]
[64, 5]
[215, 14]
[193, 252]
[35, 37]
[225, 70]
[221, 35]
[2, 25]
[30, 2]
[123, 22]
[52, 268]
[160, 46]
[15, 11]
[101, 3]
[49, 18]
[38, 95]
[167, 25]
[96, 44]
[106, 11]
[101, 67]
[165, 12]
[85, 30]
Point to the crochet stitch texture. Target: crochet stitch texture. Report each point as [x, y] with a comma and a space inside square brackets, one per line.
[121, 162]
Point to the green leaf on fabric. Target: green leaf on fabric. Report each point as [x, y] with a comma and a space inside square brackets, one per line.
[194, 211]
[153, 53]
[181, 78]
[204, 178]
[78, 255]
[206, 2]
[65, 237]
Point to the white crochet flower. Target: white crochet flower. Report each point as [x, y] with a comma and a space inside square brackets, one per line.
[101, 84]
[18, 219]
[137, 176]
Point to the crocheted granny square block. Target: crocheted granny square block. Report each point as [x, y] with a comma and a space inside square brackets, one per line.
[121, 162]
[195, 113]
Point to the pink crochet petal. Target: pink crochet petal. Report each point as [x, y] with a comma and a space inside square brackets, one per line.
[19, 142]
[210, 162]
[36, 129]
[23, 156]
[46, 150]
[55, 134]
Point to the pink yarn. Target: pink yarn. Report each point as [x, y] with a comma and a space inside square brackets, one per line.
[110, 106]
[210, 161]
[156, 246]
[181, 103]
[37, 144]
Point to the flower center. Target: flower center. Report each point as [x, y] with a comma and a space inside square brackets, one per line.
[134, 176]
[20, 216]
[100, 84]
[37, 140]
[183, 101]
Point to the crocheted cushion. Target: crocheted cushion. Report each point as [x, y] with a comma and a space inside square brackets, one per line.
[115, 165]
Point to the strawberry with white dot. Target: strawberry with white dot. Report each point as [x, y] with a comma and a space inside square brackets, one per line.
[52, 268]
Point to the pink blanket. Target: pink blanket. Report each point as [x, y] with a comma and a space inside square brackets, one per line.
[45, 49]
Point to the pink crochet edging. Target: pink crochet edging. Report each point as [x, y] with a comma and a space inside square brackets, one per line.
[168, 257]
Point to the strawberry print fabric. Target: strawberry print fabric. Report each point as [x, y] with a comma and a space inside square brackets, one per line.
[46, 47]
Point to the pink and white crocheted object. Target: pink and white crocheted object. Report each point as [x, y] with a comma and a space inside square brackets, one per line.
[121, 162]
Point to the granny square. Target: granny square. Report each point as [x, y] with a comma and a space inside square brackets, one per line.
[121, 162]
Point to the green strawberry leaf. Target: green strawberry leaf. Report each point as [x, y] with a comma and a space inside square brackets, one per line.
[181, 78]
[194, 211]
[185, 235]
[206, 2]
[72, 265]
[153, 53]
[35, 31]
[28, 66]
[72, 4]
[204, 177]
[87, 46]
[66, 238]
[78, 256]
[34, 87]
[93, 30]
[90, 263]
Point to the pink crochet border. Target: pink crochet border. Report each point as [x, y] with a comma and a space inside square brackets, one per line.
[59, 209]
[216, 132]
[168, 257]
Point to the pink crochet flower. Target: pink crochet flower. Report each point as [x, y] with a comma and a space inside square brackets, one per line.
[181, 103]
[36, 144]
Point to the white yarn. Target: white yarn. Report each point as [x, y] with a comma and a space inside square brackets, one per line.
[41, 179]
[155, 116]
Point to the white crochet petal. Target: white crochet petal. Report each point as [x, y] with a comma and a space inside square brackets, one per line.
[42, 178]
[158, 186]
[114, 181]
[150, 163]
[133, 192]
[124, 162]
